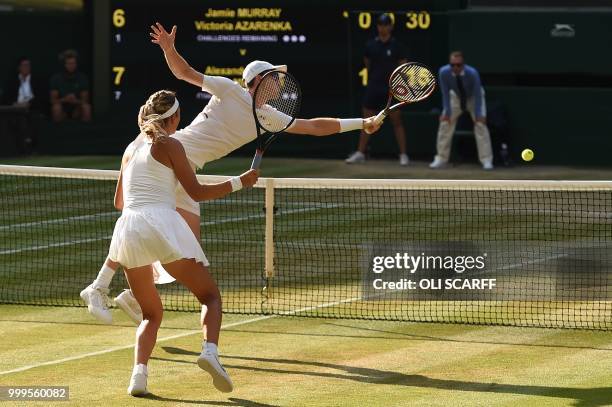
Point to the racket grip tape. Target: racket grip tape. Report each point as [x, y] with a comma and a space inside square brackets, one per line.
[257, 159]
[380, 117]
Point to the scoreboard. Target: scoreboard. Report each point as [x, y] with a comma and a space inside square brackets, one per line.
[321, 42]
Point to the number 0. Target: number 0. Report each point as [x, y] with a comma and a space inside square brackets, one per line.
[365, 20]
[118, 70]
[119, 18]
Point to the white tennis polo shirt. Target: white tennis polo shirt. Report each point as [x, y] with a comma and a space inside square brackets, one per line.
[225, 124]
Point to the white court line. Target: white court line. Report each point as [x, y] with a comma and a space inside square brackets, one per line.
[117, 348]
[62, 220]
[168, 338]
[48, 246]
[212, 222]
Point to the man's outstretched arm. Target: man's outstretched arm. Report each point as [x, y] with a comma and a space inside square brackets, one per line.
[327, 126]
[177, 64]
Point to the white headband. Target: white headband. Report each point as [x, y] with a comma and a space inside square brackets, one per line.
[170, 111]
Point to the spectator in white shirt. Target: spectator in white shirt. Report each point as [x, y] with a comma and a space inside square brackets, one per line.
[24, 91]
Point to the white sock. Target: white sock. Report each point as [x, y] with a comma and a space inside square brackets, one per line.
[140, 368]
[104, 277]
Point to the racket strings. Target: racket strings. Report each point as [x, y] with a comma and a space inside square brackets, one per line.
[411, 83]
[278, 98]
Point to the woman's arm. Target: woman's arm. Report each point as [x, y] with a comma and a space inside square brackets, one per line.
[119, 191]
[177, 64]
[172, 152]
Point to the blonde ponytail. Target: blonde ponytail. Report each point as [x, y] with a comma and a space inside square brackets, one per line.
[150, 118]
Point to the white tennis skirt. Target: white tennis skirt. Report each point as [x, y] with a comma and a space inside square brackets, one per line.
[151, 234]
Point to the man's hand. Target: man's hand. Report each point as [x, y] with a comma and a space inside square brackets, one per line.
[161, 37]
[249, 178]
[444, 118]
[481, 119]
[370, 125]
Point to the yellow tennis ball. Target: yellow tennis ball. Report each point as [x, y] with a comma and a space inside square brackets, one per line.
[527, 154]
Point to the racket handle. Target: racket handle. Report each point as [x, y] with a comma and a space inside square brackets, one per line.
[257, 159]
[380, 117]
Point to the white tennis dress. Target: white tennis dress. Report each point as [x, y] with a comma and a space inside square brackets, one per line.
[150, 229]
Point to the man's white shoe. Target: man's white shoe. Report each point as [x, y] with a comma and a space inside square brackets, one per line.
[438, 163]
[356, 157]
[138, 382]
[97, 301]
[127, 302]
[404, 160]
[209, 361]
[487, 165]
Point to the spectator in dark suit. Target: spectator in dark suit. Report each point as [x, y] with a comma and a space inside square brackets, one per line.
[25, 91]
[70, 91]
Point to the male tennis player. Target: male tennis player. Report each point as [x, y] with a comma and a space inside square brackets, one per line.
[225, 124]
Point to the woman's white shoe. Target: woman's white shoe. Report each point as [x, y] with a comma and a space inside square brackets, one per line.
[209, 361]
[138, 382]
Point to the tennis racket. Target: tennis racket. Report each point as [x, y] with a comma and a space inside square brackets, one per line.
[276, 103]
[409, 83]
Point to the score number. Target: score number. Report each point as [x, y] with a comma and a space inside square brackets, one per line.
[119, 21]
[414, 20]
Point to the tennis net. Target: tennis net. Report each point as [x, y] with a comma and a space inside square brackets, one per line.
[521, 253]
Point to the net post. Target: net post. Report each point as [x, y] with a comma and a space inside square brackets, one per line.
[269, 234]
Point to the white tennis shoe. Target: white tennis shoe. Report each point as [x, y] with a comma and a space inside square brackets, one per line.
[356, 157]
[97, 302]
[209, 361]
[404, 160]
[127, 302]
[487, 165]
[138, 382]
[438, 163]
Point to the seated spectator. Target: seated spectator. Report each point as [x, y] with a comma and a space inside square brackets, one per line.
[25, 90]
[70, 91]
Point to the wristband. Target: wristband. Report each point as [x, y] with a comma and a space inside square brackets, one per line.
[350, 124]
[236, 183]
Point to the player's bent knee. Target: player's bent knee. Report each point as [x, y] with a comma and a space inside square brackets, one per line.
[154, 317]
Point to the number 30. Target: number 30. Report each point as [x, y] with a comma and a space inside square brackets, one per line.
[421, 20]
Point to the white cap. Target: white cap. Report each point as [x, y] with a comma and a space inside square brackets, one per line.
[256, 67]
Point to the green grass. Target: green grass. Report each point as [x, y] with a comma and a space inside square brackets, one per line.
[286, 361]
[311, 362]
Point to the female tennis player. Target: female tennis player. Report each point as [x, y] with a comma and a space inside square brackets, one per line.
[225, 124]
[150, 229]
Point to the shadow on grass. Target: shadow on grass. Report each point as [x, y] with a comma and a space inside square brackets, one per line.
[400, 336]
[232, 401]
[588, 397]
[94, 323]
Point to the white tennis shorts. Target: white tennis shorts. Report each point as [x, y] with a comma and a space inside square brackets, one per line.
[184, 201]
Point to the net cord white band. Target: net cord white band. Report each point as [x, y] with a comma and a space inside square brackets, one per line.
[333, 183]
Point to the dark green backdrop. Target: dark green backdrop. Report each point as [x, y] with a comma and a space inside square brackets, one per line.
[555, 89]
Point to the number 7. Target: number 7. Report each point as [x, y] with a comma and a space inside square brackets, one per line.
[118, 70]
